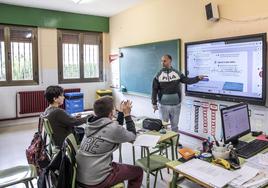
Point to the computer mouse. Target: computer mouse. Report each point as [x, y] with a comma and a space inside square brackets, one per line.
[256, 133]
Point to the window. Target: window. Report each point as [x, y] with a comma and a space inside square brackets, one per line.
[80, 56]
[18, 56]
[2, 56]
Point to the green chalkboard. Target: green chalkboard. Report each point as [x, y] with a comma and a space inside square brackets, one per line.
[140, 63]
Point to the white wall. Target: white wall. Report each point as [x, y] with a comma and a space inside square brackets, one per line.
[159, 20]
[48, 75]
[141, 105]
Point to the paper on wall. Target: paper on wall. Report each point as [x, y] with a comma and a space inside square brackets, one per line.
[257, 120]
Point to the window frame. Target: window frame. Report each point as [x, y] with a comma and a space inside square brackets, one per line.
[8, 63]
[81, 79]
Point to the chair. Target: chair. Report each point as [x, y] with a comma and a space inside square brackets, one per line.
[119, 185]
[52, 149]
[151, 164]
[71, 149]
[162, 148]
[18, 174]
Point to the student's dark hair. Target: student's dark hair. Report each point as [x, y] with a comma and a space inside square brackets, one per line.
[103, 106]
[53, 92]
[168, 56]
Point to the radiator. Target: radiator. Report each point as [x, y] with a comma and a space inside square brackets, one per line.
[33, 102]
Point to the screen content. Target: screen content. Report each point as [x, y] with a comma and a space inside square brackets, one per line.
[235, 121]
[233, 67]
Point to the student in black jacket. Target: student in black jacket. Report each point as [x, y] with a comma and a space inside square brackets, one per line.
[166, 91]
[62, 124]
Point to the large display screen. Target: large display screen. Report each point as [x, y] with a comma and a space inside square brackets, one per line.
[236, 68]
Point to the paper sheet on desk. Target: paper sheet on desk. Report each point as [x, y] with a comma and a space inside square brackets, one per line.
[146, 140]
[259, 161]
[83, 114]
[260, 180]
[206, 172]
[245, 174]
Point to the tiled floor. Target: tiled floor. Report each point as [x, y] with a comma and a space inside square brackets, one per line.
[13, 142]
[15, 139]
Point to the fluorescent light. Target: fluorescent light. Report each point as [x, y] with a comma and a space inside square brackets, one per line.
[82, 1]
[77, 1]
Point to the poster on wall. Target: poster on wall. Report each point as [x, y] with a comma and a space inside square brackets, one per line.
[202, 119]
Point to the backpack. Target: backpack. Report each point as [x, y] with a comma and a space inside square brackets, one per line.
[152, 124]
[60, 171]
[48, 178]
[36, 153]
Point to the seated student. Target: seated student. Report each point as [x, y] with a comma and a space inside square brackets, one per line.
[61, 123]
[95, 167]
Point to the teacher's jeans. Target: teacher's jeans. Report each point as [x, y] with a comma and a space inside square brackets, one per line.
[172, 113]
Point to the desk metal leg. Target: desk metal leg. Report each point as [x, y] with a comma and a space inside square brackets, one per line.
[173, 183]
[176, 147]
[148, 179]
[133, 153]
[120, 153]
[172, 149]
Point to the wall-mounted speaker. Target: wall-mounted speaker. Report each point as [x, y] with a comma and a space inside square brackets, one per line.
[212, 12]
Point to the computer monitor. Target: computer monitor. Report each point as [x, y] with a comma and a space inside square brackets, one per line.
[235, 122]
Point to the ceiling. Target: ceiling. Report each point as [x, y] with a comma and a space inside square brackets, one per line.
[92, 7]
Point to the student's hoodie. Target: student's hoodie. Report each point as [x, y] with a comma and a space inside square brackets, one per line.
[102, 138]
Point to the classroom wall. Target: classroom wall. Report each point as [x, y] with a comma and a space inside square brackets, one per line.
[48, 74]
[158, 20]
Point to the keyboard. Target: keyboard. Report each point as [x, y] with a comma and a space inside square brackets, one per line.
[252, 148]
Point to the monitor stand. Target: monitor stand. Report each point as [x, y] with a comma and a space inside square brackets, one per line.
[238, 144]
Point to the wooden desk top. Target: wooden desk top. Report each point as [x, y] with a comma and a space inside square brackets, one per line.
[164, 137]
[172, 164]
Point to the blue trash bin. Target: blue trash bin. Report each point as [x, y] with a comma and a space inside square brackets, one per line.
[74, 102]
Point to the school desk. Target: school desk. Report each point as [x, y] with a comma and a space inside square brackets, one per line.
[172, 165]
[166, 139]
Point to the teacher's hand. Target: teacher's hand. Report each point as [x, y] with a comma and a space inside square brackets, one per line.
[201, 77]
[155, 107]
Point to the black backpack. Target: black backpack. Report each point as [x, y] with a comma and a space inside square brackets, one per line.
[152, 124]
[50, 175]
[60, 171]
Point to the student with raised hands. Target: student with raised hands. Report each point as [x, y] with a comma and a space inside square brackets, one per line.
[102, 137]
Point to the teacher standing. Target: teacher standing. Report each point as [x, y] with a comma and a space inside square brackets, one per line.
[166, 85]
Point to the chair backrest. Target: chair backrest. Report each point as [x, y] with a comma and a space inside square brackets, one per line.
[71, 149]
[49, 132]
[72, 140]
[47, 127]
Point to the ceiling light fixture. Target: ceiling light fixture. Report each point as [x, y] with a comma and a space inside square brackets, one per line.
[82, 1]
[77, 1]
